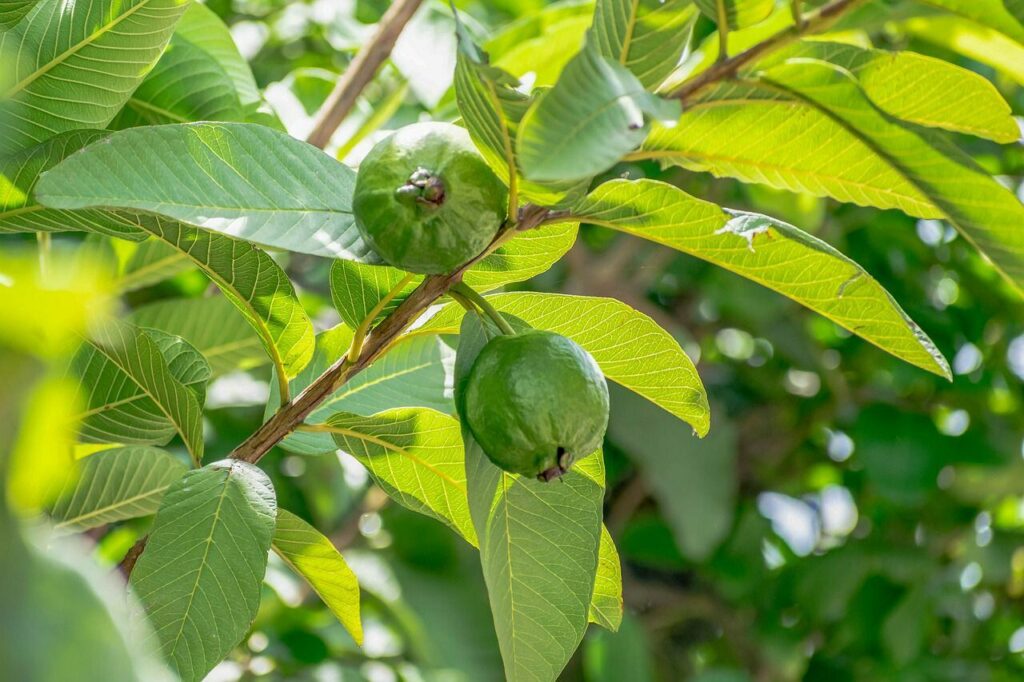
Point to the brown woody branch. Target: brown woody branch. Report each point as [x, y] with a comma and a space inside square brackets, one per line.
[724, 69]
[432, 288]
[361, 71]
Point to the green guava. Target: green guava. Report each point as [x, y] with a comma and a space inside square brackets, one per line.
[536, 402]
[426, 201]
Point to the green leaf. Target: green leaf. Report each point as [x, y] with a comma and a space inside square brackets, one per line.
[808, 127]
[646, 36]
[357, 288]
[416, 456]
[212, 324]
[201, 27]
[540, 45]
[254, 283]
[694, 481]
[596, 112]
[538, 547]
[736, 13]
[240, 179]
[315, 558]
[199, 578]
[187, 84]
[411, 374]
[152, 262]
[606, 603]
[769, 252]
[631, 349]
[526, 255]
[492, 109]
[143, 386]
[993, 14]
[76, 63]
[987, 214]
[114, 485]
[919, 89]
[975, 41]
[19, 210]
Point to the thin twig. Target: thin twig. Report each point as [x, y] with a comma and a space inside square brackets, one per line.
[361, 71]
[727, 68]
[128, 562]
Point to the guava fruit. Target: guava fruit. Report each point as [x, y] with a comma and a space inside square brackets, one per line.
[536, 402]
[426, 201]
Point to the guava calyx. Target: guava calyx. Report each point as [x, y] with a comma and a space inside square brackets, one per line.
[423, 187]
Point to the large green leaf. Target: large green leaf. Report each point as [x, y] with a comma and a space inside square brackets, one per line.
[736, 13]
[416, 456]
[919, 89]
[116, 484]
[251, 280]
[631, 349]
[769, 252]
[538, 547]
[606, 604]
[315, 558]
[646, 36]
[142, 387]
[240, 179]
[596, 112]
[201, 27]
[199, 577]
[356, 288]
[74, 64]
[808, 127]
[187, 84]
[212, 324]
[412, 374]
[19, 210]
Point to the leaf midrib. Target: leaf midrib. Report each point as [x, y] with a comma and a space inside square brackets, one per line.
[206, 553]
[110, 507]
[63, 56]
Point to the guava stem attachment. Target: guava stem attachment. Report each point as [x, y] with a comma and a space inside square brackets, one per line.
[364, 327]
[471, 294]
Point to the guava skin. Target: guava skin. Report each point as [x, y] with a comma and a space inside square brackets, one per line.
[536, 402]
[426, 201]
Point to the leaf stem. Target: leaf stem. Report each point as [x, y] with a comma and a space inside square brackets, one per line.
[364, 327]
[472, 295]
[723, 31]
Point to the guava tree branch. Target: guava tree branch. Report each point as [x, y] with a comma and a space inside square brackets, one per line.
[361, 71]
[290, 415]
[814, 22]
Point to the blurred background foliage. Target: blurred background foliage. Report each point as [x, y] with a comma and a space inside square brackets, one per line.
[849, 518]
